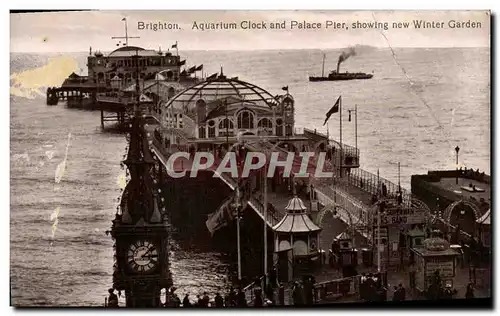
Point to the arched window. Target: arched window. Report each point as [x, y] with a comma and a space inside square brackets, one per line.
[202, 132]
[226, 125]
[245, 120]
[288, 130]
[279, 127]
[287, 102]
[170, 75]
[300, 248]
[211, 128]
[201, 110]
[265, 123]
[180, 121]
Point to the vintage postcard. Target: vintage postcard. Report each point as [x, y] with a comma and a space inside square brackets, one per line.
[250, 158]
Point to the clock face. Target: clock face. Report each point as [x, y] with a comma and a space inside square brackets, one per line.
[142, 256]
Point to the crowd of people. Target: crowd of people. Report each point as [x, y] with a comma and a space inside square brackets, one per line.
[232, 299]
[371, 288]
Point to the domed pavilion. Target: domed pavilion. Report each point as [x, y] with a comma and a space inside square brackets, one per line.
[221, 108]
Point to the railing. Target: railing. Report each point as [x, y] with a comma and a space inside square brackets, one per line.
[249, 289]
[373, 184]
[336, 288]
[271, 218]
[348, 151]
[357, 212]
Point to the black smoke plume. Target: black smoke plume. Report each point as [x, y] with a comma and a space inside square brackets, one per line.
[345, 55]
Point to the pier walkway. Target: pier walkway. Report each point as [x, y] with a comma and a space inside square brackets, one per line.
[351, 194]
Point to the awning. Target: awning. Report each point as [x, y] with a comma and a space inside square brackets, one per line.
[485, 219]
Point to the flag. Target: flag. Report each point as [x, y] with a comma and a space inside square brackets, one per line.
[160, 77]
[144, 98]
[285, 88]
[175, 45]
[124, 19]
[334, 109]
[199, 68]
[218, 111]
[192, 69]
[213, 76]
[218, 219]
[182, 63]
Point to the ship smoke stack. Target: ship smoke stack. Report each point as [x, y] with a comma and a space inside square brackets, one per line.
[344, 56]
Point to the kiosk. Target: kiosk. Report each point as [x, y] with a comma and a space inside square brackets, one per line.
[297, 232]
[434, 257]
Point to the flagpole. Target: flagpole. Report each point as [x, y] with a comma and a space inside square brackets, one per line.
[126, 32]
[378, 222]
[341, 145]
[238, 241]
[265, 223]
[399, 176]
[356, 125]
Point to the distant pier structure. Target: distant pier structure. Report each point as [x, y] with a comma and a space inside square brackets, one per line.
[109, 85]
[460, 197]
[76, 90]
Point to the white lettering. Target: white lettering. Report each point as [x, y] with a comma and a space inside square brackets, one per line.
[306, 156]
[171, 164]
[229, 157]
[249, 165]
[198, 165]
[319, 167]
[276, 163]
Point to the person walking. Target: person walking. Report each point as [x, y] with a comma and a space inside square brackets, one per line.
[469, 293]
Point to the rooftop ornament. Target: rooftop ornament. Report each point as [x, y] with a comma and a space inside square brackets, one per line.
[436, 244]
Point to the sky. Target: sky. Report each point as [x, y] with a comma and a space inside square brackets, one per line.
[77, 31]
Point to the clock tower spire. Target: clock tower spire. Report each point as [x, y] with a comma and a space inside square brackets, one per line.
[141, 266]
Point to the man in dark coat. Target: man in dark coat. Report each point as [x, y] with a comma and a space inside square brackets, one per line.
[469, 293]
[231, 298]
[402, 292]
[185, 301]
[205, 300]
[241, 299]
[219, 301]
[112, 299]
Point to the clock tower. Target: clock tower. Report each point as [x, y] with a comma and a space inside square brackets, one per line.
[141, 266]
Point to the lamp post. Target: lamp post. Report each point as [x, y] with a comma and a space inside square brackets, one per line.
[237, 212]
[265, 209]
[378, 223]
[355, 124]
[457, 149]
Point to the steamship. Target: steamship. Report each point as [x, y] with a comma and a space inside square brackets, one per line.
[336, 75]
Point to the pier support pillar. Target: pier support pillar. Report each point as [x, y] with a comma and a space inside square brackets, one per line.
[102, 118]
